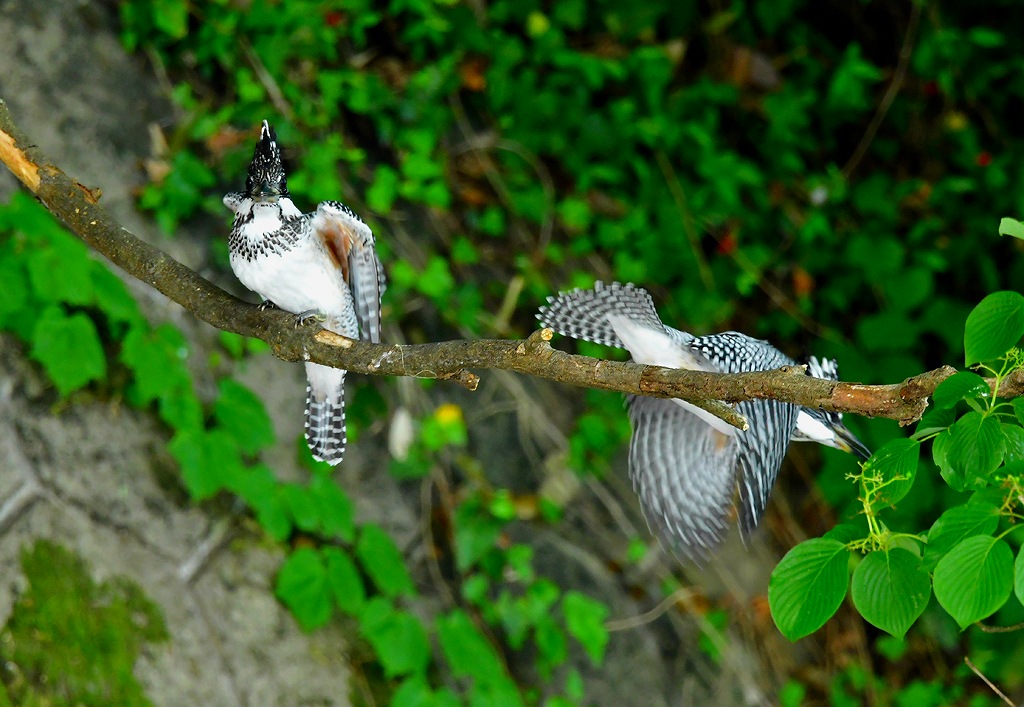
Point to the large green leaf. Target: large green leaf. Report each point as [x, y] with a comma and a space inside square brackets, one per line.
[258, 487]
[959, 386]
[584, 617]
[890, 590]
[397, 637]
[383, 561]
[1018, 576]
[974, 447]
[958, 523]
[242, 414]
[343, 580]
[301, 506]
[995, 325]
[468, 652]
[896, 465]
[210, 461]
[69, 349]
[62, 272]
[336, 515]
[974, 579]
[1013, 435]
[302, 586]
[808, 586]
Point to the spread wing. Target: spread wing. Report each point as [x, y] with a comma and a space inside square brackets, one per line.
[761, 451]
[350, 243]
[762, 448]
[684, 471]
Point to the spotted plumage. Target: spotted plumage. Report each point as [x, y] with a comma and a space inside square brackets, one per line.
[322, 263]
[685, 464]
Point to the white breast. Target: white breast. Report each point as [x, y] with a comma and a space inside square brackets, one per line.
[297, 279]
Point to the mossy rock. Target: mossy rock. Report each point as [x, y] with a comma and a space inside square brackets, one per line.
[72, 641]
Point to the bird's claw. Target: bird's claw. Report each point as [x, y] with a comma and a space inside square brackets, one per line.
[309, 316]
[267, 304]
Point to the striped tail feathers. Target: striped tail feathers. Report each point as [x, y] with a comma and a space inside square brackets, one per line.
[325, 413]
[583, 314]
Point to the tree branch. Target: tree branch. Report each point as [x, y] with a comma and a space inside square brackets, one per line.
[76, 206]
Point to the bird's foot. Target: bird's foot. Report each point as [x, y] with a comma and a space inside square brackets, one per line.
[309, 316]
[267, 304]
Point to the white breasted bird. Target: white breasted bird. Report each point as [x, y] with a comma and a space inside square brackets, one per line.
[321, 266]
[684, 462]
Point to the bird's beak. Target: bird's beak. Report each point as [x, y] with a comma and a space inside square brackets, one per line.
[848, 442]
[268, 192]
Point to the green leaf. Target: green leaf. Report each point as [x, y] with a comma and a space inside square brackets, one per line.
[343, 580]
[1013, 435]
[113, 297]
[958, 387]
[14, 305]
[975, 447]
[584, 618]
[1018, 576]
[891, 590]
[846, 532]
[209, 461]
[994, 327]
[808, 586]
[436, 279]
[301, 506]
[383, 561]
[957, 524]
[416, 692]
[552, 645]
[895, 464]
[397, 637]
[469, 654]
[69, 349]
[337, 517]
[157, 358]
[1011, 227]
[383, 190]
[171, 17]
[974, 579]
[475, 534]
[61, 272]
[258, 487]
[243, 416]
[302, 586]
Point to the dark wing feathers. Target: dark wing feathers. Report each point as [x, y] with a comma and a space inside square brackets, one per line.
[350, 242]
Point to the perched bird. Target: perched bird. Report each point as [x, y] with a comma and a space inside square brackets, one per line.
[320, 266]
[684, 462]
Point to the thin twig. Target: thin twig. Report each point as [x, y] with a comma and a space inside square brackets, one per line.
[681, 594]
[999, 629]
[899, 75]
[988, 682]
[268, 81]
[675, 188]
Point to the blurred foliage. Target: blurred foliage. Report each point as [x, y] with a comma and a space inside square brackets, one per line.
[356, 570]
[71, 641]
[752, 164]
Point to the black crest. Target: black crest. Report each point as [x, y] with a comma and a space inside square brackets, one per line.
[266, 172]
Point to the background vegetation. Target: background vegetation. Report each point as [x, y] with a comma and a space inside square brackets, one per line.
[829, 176]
